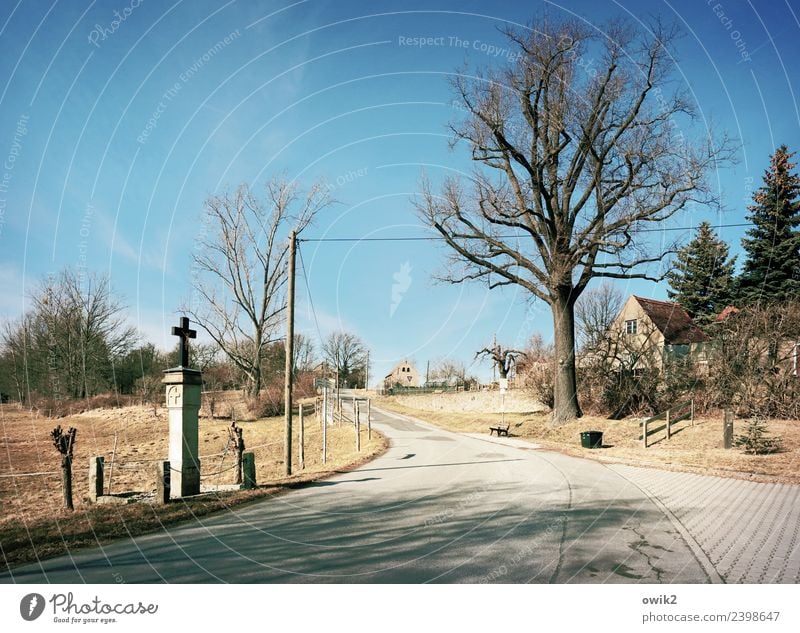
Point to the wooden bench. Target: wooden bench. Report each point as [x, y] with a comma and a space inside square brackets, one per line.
[501, 430]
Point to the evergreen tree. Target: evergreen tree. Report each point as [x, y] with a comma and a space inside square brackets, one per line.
[772, 268]
[702, 278]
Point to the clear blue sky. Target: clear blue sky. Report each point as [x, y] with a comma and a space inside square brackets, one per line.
[312, 89]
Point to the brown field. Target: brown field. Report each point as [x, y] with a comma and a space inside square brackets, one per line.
[693, 448]
[33, 522]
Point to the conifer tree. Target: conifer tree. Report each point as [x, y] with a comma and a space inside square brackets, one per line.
[702, 278]
[772, 268]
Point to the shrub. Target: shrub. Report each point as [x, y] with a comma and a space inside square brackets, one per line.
[268, 404]
[538, 379]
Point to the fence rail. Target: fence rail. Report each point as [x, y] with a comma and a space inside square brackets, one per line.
[673, 415]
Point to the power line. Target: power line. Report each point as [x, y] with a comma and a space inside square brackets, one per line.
[477, 237]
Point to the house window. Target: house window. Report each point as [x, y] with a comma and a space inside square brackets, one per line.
[630, 326]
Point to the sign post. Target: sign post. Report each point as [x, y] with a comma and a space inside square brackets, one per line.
[503, 382]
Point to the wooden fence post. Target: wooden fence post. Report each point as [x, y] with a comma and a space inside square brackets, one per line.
[357, 416]
[727, 429]
[249, 467]
[691, 410]
[325, 425]
[163, 478]
[301, 458]
[369, 421]
[669, 422]
[644, 432]
[96, 487]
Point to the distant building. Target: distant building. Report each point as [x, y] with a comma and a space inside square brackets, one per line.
[404, 373]
[662, 327]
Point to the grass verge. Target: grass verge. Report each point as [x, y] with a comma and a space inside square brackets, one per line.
[692, 448]
[34, 526]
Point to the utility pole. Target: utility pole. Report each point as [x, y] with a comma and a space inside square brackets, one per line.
[366, 374]
[287, 446]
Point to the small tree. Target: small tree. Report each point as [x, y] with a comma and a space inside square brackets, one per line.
[595, 311]
[701, 280]
[236, 442]
[772, 267]
[755, 440]
[64, 443]
[535, 368]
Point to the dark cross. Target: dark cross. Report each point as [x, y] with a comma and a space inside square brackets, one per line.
[185, 333]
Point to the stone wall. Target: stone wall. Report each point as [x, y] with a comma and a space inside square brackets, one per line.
[472, 401]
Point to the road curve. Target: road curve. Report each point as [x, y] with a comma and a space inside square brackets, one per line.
[436, 507]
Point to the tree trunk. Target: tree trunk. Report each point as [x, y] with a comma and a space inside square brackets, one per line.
[565, 391]
[254, 389]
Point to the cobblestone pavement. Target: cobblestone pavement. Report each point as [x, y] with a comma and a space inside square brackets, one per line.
[748, 531]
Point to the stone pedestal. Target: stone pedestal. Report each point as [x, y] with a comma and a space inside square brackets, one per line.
[183, 387]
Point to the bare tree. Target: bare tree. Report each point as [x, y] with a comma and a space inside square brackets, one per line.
[66, 346]
[449, 372]
[574, 160]
[502, 358]
[346, 354]
[305, 356]
[595, 311]
[241, 268]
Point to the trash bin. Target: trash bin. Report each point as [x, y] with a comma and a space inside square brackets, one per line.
[592, 439]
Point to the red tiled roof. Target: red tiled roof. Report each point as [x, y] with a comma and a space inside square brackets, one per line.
[672, 321]
[726, 313]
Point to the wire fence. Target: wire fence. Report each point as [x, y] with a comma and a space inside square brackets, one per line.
[136, 471]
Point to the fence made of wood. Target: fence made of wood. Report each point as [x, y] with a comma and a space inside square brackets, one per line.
[673, 415]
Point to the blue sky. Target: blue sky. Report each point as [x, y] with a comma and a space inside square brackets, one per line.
[239, 91]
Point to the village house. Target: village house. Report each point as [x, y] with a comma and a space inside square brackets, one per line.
[404, 373]
[656, 331]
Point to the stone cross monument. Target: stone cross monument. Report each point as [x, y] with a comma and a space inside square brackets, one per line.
[183, 387]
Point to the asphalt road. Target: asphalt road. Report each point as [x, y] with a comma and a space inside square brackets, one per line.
[437, 507]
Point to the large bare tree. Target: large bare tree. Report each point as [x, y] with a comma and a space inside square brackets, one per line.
[579, 152]
[241, 266]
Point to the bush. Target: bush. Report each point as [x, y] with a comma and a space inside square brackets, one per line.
[752, 361]
[538, 379]
[268, 404]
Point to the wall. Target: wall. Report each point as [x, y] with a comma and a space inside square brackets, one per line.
[472, 401]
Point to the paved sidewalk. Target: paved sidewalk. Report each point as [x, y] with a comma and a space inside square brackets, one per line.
[748, 531]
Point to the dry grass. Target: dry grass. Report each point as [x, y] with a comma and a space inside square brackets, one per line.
[695, 448]
[34, 524]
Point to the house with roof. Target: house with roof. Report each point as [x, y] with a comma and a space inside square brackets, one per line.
[404, 373]
[657, 331]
